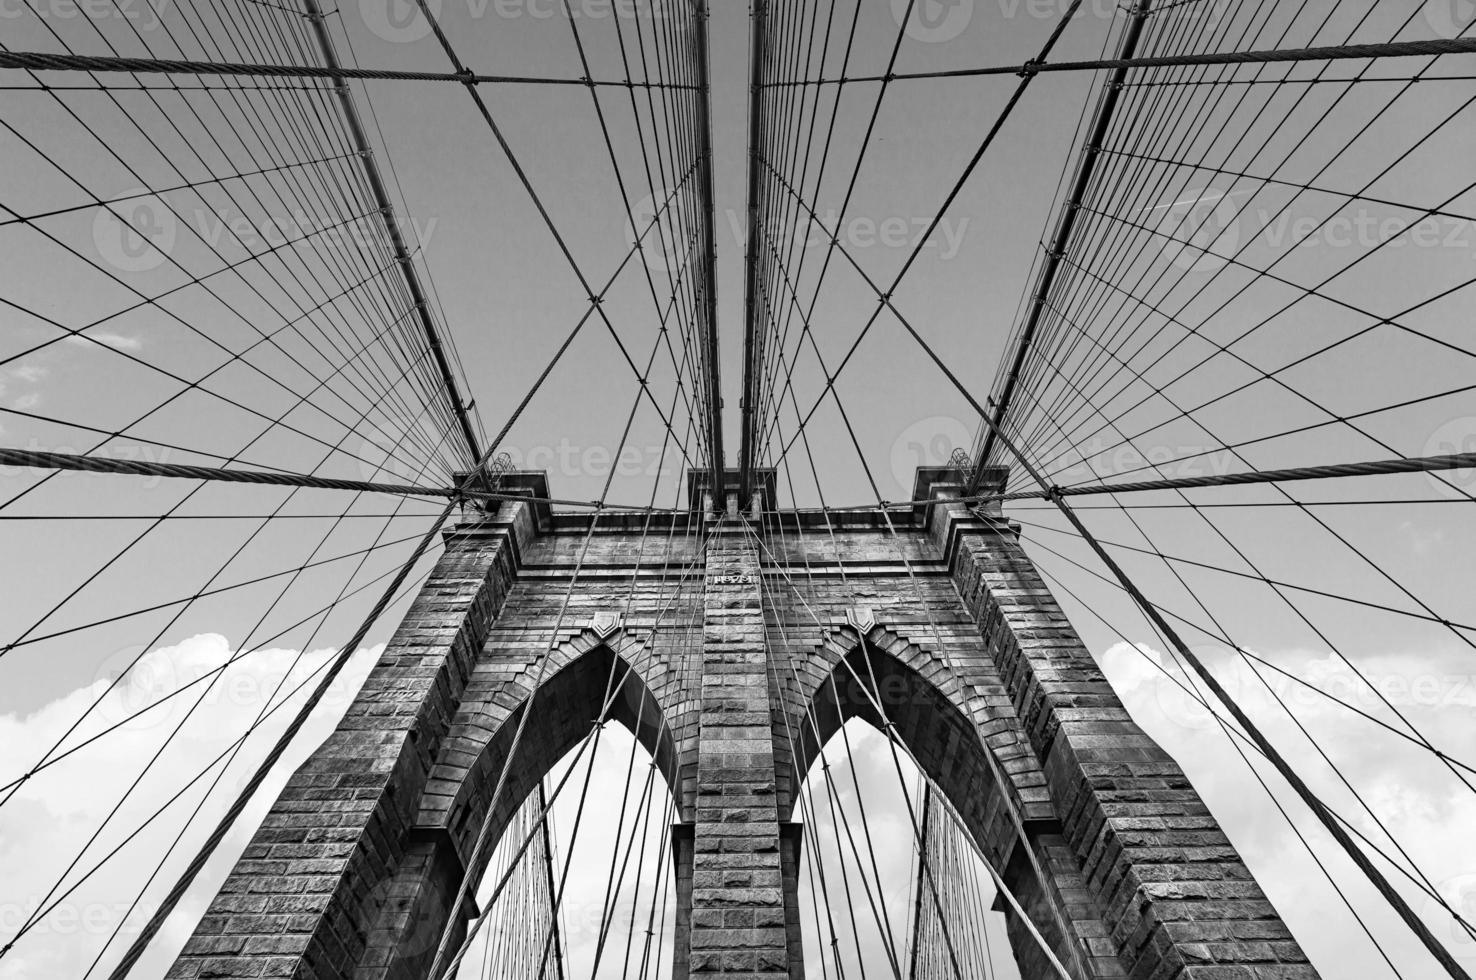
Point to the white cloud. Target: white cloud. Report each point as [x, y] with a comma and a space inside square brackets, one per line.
[55, 812]
[1421, 802]
[1422, 541]
[42, 827]
[115, 340]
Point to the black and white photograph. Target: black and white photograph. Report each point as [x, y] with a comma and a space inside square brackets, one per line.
[738, 489]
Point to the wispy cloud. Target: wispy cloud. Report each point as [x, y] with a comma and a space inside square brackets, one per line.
[1203, 197]
[117, 341]
[1415, 796]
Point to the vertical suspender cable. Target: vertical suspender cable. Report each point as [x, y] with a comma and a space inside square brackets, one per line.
[753, 333]
[248, 790]
[548, 871]
[709, 256]
[923, 857]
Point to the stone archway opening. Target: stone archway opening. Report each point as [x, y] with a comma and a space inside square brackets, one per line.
[482, 845]
[985, 806]
[594, 893]
[865, 905]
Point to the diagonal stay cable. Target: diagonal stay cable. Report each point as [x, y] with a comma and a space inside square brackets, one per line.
[984, 145]
[1220, 637]
[203, 678]
[1189, 689]
[1204, 113]
[229, 750]
[619, 174]
[1070, 210]
[1235, 739]
[542, 209]
[187, 877]
[356, 553]
[97, 464]
[893, 739]
[397, 240]
[896, 48]
[188, 714]
[1319, 809]
[1302, 291]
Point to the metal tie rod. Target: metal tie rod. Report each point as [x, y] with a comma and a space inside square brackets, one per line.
[48, 61]
[1341, 52]
[132, 467]
[1418, 464]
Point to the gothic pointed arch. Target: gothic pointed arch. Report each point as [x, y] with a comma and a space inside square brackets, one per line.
[946, 713]
[599, 672]
[589, 674]
[949, 708]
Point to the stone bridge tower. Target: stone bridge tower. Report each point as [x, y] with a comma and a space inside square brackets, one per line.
[963, 651]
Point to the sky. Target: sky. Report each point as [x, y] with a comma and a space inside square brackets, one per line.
[506, 298]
